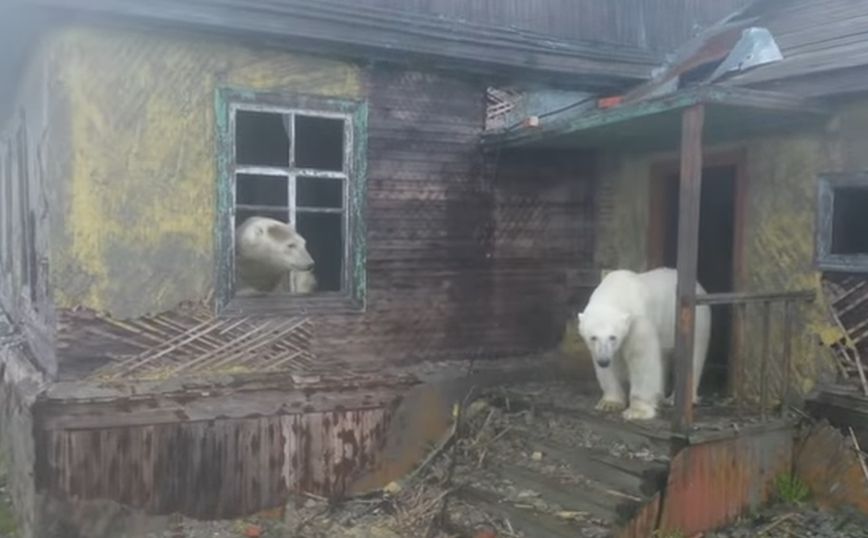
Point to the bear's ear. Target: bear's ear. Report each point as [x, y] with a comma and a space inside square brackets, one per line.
[581, 317]
[280, 232]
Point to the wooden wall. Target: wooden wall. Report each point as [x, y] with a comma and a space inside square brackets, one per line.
[212, 469]
[659, 25]
[468, 255]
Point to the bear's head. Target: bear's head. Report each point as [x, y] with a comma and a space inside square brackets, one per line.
[273, 245]
[604, 331]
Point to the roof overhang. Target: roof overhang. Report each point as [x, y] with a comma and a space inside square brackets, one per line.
[655, 124]
[383, 34]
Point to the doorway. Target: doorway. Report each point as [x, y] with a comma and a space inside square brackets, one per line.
[717, 257]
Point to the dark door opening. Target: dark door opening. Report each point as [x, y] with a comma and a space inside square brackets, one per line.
[715, 259]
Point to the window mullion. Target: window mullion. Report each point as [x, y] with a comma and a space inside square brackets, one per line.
[292, 182]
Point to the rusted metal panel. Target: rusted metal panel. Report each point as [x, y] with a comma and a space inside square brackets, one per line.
[213, 469]
[644, 523]
[711, 484]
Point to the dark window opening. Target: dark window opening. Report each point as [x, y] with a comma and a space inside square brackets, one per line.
[256, 190]
[319, 143]
[319, 192]
[305, 184]
[261, 139]
[715, 269]
[850, 221]
[324, 235]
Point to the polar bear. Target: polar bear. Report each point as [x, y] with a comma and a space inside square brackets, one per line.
[629, 327]
[271, 256]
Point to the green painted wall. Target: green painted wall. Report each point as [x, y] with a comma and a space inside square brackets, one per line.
[779, 245]
[135, 232]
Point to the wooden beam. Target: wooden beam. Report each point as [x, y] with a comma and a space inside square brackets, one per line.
[582, 125]
[688, 247]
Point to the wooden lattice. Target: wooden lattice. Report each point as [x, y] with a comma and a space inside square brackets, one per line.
[195, 342]
[499, 102]
[848, 299]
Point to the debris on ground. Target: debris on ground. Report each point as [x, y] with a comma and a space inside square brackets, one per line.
[788, 521]
[521, 462]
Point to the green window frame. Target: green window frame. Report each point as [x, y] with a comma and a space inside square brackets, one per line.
[228, 102]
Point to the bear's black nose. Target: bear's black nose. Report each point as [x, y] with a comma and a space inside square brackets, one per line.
[604, 364]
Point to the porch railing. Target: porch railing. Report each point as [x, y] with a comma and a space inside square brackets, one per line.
[765, 302]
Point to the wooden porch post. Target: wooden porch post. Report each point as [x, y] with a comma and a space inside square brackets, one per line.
[688, 247]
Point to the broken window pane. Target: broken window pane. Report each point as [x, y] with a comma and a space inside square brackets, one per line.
[319, 143]
[319, 192]
[325, 242]
[261, 139]
[260, 190]
[850, 221]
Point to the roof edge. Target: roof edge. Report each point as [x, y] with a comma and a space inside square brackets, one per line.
[379, 33]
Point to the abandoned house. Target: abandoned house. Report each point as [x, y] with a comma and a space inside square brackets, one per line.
[463, 173]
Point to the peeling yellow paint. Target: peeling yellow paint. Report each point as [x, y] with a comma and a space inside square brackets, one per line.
[139, 208]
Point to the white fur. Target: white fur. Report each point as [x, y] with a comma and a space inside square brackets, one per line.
[629, 327]
[300, 282]
[268, 253]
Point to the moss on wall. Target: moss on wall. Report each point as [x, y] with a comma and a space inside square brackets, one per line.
[138, 212]
[779, 233]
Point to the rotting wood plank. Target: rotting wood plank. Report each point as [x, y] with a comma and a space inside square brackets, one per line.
[628, 432]
[688, 245]
[587, 497]
[531, 523]
[638, 478]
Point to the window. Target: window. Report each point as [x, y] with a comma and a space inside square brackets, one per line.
[298, 160]
[842, 222]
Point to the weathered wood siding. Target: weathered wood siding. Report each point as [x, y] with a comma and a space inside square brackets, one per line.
[212, 469]
[467, 255]
[656, 24]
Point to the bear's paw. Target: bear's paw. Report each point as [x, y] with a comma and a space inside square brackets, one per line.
[610, 405]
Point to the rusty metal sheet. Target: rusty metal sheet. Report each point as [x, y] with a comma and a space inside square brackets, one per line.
[712, 484]
[644, 523]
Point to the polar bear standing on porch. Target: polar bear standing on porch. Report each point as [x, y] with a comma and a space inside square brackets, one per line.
[629, 327]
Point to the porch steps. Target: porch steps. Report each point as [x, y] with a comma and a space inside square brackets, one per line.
[566, 472]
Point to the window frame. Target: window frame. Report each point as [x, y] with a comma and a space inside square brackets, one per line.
[354, 113]
[824, 259]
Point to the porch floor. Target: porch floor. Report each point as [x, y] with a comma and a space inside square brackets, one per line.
[532, 459]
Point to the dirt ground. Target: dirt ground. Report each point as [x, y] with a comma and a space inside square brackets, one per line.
[784, 521]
